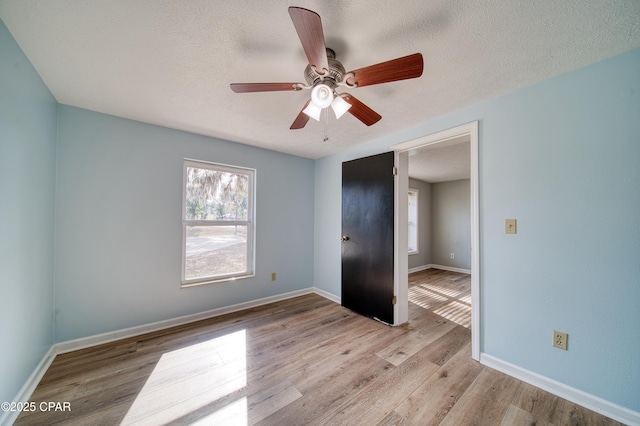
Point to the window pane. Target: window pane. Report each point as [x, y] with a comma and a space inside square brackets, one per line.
[215, 250]
[413, 221]
[216, 195]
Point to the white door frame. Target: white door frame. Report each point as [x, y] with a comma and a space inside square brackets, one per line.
[401, 265]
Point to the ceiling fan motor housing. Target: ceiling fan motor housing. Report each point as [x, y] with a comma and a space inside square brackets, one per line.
[332, 78]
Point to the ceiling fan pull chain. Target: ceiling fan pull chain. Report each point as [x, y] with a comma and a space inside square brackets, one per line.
[325, 119]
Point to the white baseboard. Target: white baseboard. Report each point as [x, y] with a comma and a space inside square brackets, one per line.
[327, 295]
[9, 417]
[445, 268]
[419, 268]
[592, 402]
[30, 385]
[99, 339]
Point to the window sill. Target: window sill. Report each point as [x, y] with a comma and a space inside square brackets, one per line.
[188, 284]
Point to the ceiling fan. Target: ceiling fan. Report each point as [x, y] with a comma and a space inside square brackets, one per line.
[325, 73]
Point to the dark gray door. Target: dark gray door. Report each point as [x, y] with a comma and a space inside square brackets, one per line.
[367, 236]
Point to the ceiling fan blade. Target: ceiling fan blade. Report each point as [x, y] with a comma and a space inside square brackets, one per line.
[396, 69]
[265, 87]
[309, 28]
[302, 118]
[361, 111]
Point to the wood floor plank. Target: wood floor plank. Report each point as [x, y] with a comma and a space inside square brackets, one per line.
[542, 406]
[432, 401]
[112, 404]
[447, 345]
[485, 402]
[575, 415]
[266, 402]
[518, 416]
[417, 338]
[393, 419]
[352, 354]
[338, 385]
[379, 397]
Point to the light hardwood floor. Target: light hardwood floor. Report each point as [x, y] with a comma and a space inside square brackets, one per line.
[304, 361]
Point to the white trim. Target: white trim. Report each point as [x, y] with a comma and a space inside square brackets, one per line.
[99, 339]
[444, 268]
[327, 295]
[591, 402]
[475, 240]
[401, 238]
[444, 138]
[419, 268]
[249, 272]
[9, 417]
[451, 268]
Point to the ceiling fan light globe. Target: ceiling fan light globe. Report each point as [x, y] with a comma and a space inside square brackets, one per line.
[322, 95]
[340, 106]
[313, 111]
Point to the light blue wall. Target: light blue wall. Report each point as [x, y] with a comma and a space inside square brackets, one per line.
[118, 223]
[563, 158]
[27, 183]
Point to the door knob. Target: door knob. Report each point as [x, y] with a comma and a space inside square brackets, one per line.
[344, 239]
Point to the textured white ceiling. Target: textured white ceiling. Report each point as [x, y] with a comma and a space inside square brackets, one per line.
[170, 62]
[442, 162]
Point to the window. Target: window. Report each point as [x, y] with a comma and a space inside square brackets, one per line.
[217, 222]
[413, 221]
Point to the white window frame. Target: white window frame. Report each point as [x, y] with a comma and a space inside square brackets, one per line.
[249, 223]
[417, 231]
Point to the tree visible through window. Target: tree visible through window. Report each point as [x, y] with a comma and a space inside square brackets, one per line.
[217, 222]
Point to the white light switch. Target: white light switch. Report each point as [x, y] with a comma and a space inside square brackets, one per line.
[509, 226]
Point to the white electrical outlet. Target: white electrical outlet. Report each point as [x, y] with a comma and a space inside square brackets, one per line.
[453, 256]
[560, 339]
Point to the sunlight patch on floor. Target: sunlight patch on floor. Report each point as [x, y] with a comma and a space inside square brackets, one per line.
[453, 293]
[190, 378]
[234, 414]
[425, 298]
[458, 312]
